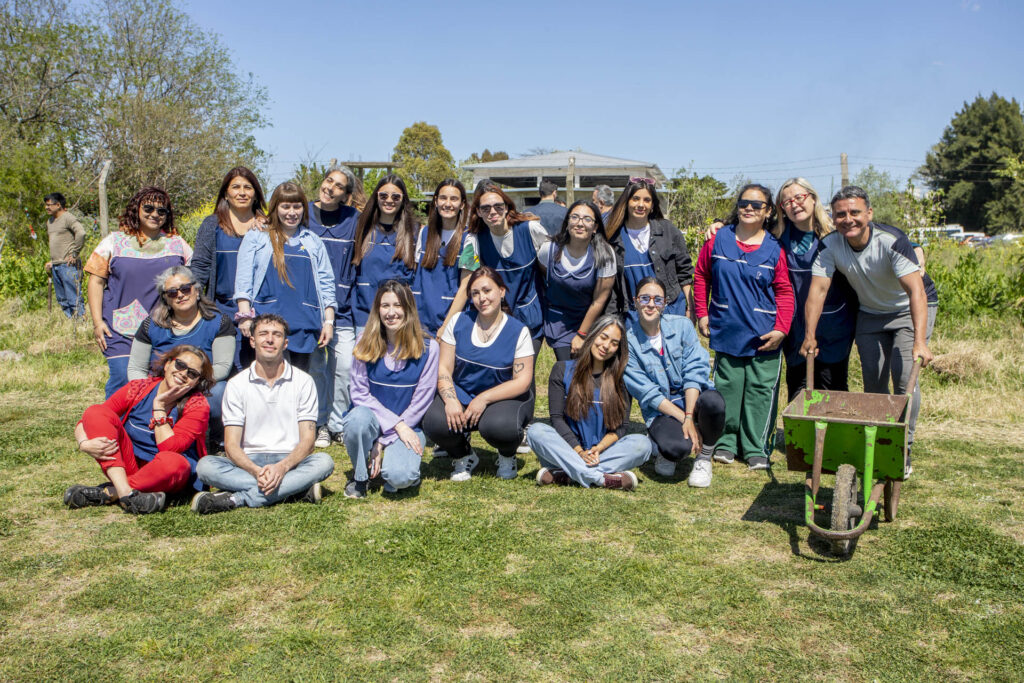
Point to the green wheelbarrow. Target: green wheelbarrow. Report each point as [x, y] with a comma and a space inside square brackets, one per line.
[853, 436]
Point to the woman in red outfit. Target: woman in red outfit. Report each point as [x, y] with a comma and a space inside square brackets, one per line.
[148, 436]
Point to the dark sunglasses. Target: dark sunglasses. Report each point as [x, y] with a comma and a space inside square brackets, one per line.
[182, 366]
[158, 210]
[185, 289]
[754, 203]
[395, 196]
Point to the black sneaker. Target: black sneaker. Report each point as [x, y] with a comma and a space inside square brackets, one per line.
[724, 457]
[312, 495]
[758, 462]
[355, 489]
[143, 503]
[79, 496]
[207, 502]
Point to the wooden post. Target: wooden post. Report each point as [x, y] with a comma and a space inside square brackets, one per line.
[104, 217]
[846, 169]
[570, 182]
[332, 163]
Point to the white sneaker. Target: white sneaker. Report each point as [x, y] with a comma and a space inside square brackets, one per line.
[323, 437]
[463, 468]
[508, 468]
[663, 466]
[524, 447]
[700, 475]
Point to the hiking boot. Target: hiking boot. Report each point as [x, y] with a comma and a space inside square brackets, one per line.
[625, 481]
[462, 469]
[758, 462]
[663, 466]
[143, 503]
[700, 475]
[724, 457]
[508, 468]
[313, 494]
[547, 476]
[323, 437]
[79, 496]
[207, 502]
[355, 489]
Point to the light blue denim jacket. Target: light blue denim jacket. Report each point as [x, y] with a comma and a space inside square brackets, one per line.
[254, 256]
[686, 363]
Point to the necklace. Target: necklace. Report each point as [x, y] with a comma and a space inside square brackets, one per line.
[485, 335]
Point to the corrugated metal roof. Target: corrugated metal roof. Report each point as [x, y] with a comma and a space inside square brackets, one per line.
[561, 160]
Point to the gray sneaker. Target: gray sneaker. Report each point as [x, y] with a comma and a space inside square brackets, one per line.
[143, 503]
[758, 462]
[79, 496]
[313, 494]
[700, 475]
[207, 502]
[355, 489]
[462, 468]
[663, 466]
[724, 457]
[323, 437]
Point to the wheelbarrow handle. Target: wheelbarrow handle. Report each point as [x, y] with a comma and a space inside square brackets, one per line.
[914, 374]
[810, 372]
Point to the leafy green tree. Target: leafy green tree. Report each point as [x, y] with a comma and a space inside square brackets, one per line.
[902, 208]
[424, 159]
[695, 201]
[966, 161]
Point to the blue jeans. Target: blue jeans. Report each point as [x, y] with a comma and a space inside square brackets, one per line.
[219, 471]
[67, 289]
[330, 368]
[400, 467]
[554, 453]
[117, 374]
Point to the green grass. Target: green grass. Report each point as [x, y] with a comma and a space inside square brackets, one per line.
[491, 579]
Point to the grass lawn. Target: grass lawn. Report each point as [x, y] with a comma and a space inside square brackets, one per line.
[493, 579]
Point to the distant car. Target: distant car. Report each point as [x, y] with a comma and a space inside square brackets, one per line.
[1009, 238]
[975, 239]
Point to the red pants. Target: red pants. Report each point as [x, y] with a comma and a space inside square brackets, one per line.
[167, 472]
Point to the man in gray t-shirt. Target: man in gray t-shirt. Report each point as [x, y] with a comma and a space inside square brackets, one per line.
[897, 301]
[66, 236]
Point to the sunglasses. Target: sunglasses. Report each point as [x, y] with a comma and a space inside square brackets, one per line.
[647, 300]
[756, 204]
[395, 196]
[645, 181]
[158, 210]
[185, 289]
[499, 209]
[182, 366]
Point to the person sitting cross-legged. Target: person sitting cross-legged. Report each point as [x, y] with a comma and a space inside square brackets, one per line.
[269, 416]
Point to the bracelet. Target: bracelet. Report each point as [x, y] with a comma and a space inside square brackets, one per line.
[158, 421]
[581, 333]
[239, 316]
[81, 442]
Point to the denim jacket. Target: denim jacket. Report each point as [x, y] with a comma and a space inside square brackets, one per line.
[254, 256]
[686, 364]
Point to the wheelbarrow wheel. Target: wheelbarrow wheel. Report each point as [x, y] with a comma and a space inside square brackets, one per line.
[844, 495]
[892, 498]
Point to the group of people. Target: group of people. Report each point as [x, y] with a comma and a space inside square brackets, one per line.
[294, 323]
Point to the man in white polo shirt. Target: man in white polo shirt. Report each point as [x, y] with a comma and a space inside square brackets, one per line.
[269, 414]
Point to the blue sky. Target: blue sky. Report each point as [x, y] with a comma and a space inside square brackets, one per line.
[765, 89]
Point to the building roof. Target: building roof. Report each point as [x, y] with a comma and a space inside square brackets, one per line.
[587, 164]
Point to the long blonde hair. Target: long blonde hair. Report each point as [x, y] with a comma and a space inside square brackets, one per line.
[285, 192]
[820, 222]
[409, 341]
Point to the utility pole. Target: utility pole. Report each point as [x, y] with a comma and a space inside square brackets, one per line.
[332, 163]
[104, 218]
[570, 182]
[846, 169]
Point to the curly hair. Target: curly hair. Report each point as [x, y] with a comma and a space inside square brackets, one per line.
[129, 220]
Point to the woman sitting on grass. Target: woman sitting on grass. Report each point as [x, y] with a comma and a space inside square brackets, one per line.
[148, 436]
[589, 407]
[484, 380]
[667, 374]
[394, 376]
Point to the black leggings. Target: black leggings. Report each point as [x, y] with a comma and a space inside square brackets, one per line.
[827, 376]
[501, 425]
[563, 353]
[300, 360]
[708, 416]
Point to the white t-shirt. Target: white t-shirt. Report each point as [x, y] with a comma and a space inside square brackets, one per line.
[524, 345]
[505, 244]
[269, 415]
[641, 238]
[656, 342]
[571, 264]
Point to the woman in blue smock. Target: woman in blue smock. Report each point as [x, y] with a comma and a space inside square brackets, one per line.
[579, 269]
[385, 244]
[286, 271]
[240, 207]
[508, 241]
[646, 245]
[438, 282]
[586, 441]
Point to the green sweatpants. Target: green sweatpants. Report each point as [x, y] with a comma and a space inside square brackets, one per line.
[750, 387]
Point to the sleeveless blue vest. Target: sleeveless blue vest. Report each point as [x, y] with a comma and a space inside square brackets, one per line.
[521, 275]
[478, 368]
[435, 289]
[394, 388]
[590, 430]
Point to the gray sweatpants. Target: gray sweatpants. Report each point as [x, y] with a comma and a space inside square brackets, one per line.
[886, 346]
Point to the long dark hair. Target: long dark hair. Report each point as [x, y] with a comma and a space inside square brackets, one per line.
[286, 192]
[223, 208]
[512, 216]
[769, 219]
[618, 215]
[603, 254]
[129, 220]
[435, 224]
[495, 276]
[580, 392]
[405, 225]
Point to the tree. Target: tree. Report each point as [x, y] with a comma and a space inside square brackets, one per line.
[695, 201]
[485, 156]
[966, 161]
[424, 160]
[902, 208]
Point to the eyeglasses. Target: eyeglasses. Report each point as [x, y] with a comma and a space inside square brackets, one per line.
[395, 196]
[756, 204]
[182, 366]
[645, 181]
[796, 199]
[486, 209]
[647, 300]
[585, 220]
[185, 289]
[158, 210]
